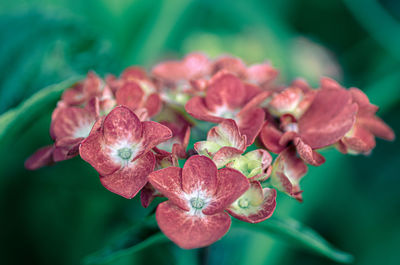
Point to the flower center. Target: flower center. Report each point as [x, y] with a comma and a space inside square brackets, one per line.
[125, 153]
[197, 203]
[292, 127]
[243, 203]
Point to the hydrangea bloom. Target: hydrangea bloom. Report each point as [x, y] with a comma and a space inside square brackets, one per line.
[224, 143]
[198, 195]
[329, 117]
[262, 75]
[119, 150]
[361, 137]
[255, 205]
[227, 97]
[287, 171]
[137, 128]
[135, 89]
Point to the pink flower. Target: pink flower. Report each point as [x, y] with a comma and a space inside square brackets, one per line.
[42, 157]
[329, 117]
[293, 100]
[259, 74]
[135, 89]
[119, 150]
[287, 171]
[224, 143]
[163, 160]
[198, 194]
[361, 138]
[193, 66]
[148, 194]
[180, 79]
[70, 125]
[255, 165]
[228, 97]
[92, 86]
[180, 128]
[255, 205]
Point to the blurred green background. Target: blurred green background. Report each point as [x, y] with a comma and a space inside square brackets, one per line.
[59, 214]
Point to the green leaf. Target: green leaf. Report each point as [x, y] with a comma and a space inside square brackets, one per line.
[14, 121]
[136, 239]
[300, 235]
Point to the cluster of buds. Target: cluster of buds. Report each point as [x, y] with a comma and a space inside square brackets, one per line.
[134, 129]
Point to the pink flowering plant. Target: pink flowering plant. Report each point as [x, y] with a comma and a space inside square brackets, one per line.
[204, 141]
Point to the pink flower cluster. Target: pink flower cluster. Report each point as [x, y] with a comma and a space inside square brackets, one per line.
[134, 128]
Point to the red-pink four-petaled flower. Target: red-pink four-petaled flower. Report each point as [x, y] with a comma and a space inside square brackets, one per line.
[198, 195]
[119, 149]
[227, 97]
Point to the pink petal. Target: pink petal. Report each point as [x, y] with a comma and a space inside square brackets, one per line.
[93, 107]
[378, 127]
[361, 140]
[66, 148]
[307, 153]
[134, 73]
[92, 84]
[226, 91]
[285, 101]
[227, 132]
[231, 185]
[191, 231]
[328, 119]
[197, 108]
[252, 91]
[179, 150]
[154, 133]
[262, 177]
[74, 95]
[121, 124]
[328, 83]
[255, 205]
[112, 82]
[261, 73]
[287, 171]
[153, 104]
[196, 65]
[199, 174]
[142, 114]
[265, 159]
[302, 84]
[250, 123]
[270, 136]
[129, 180]
[169, 182]
[91, 150]
[288, 137]
[360, 98]
[42, 157]
[72, 122]
[165, 159]
[225, 155]
[147, 195]
[130, 95]
[193, 66]
[367, 118]
[341, 147]
[232, 65]
[255, 101]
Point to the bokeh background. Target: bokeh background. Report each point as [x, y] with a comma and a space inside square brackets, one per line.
[59, 214]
